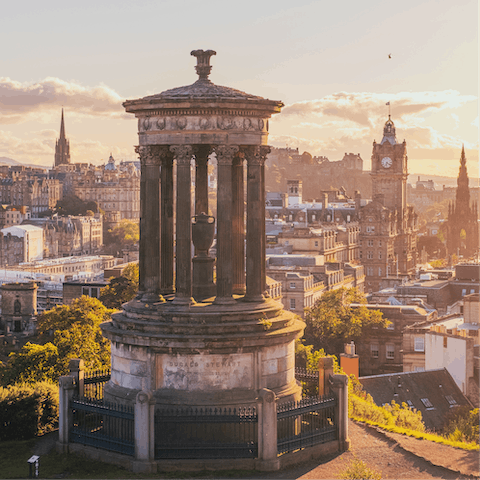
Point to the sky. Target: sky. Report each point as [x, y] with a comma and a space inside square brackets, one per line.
[328, 62]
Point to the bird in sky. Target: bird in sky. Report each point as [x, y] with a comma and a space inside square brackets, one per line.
[389, 55]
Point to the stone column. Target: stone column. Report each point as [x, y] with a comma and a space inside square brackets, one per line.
[76, 366]
[325, 370]
[167, 230]
[201, 178]
[149, 262]
[65, 418]
[238, 225]
[339, 385]
[183, 281]
[255, 223]
[267, 431]
[225, 154]
[144, 433]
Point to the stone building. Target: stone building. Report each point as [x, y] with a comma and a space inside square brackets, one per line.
[19, 308]
[463, 223]
[12, 215]
[388, 225]
[115, 189]
[39, 193]
[382, 352]
[32, 243]
[72, 235]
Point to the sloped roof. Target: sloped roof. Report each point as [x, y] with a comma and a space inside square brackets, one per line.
[436, 387]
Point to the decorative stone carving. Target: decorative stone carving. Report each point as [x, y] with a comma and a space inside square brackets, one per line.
[183, 153]
[181, 123]
[151, 154]
[205, 123]
[256, 155]
[161, 123]
[225, 123]
[203, 67]
[146, 124]
[225, 154]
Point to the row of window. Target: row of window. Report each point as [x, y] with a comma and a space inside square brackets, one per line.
[389, 351]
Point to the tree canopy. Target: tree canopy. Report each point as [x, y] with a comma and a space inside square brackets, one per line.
[76, 331]
[33, 363]
[121, 289]
[125, 233]
[73, 205]
[333, 321]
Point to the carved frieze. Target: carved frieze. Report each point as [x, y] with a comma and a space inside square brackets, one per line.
[237, 123]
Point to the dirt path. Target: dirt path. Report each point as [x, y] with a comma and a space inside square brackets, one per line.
[395, 456]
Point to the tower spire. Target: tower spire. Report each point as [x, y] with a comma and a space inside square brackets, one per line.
[62, 146]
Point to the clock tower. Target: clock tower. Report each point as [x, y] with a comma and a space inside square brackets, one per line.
[389, 170]
[388, 225]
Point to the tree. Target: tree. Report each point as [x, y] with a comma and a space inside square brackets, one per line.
[333, 321]
[76, 332]
[33, 363]
[123, 234]
[121, 289]
[73, 205]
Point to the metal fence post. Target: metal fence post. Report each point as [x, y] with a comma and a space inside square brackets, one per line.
[267, 431]
[339, 384]
[77, 370]
[66, 390]
[144, 433]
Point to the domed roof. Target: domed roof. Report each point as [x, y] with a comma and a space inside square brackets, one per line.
[202, 90]
[111, 163]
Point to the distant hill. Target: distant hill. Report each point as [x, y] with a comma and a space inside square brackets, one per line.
[12, 162]
[440, 180]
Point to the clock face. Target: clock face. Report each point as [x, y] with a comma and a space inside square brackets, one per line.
[386, 162]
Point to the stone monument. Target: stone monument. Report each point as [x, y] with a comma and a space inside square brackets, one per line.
[185, 338]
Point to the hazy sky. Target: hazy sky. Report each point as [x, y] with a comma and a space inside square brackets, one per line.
[327, 61]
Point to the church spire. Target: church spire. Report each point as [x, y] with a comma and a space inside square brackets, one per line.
[62, 146]
[463, 192]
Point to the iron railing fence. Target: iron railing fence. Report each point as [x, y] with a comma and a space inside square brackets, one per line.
[309, 380]
[94, 382]
[103, 425]
[193, 433]
[309, 422]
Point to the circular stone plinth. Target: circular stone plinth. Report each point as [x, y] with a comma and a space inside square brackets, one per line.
[203, 354]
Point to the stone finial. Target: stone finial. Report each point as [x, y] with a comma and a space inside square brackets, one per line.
[203, 67]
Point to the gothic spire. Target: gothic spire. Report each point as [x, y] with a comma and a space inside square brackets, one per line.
[62, 146]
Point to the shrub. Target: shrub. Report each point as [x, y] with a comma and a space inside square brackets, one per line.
[28, 410]
[357, 469]
[462, 425]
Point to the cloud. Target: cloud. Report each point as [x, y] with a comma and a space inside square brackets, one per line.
[19, 102]
[362, 108]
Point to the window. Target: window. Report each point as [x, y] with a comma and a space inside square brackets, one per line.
[370, 243]
[379, 271]
[391, 326]
[445, 340]
[464, 291]
[292, 304]
[380, 254]
[369, 254]
[370, 271]
[419, 344]
[374, 350]
[418, 369]
[410, 403]
[451, 401]
[427, 403]
[390, 350]
[292, 284]
[371, 229]
[316, 243]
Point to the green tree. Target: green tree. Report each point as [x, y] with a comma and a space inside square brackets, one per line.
[73, 205]
[33, 363]
[333, 321]
[126, 233]
[76, 332]
[462, 424]
[121, 289]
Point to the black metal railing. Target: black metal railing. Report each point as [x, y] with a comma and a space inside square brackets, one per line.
[309, 381]
[309, 422]
[103, 425]
[94, 382]
[206, 433]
